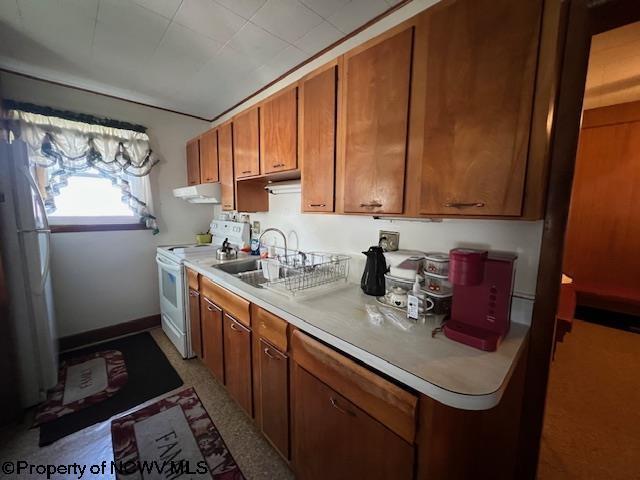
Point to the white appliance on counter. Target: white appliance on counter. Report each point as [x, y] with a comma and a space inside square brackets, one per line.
[174, 290]
[25, 237]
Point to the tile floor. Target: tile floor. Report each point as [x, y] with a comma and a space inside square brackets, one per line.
[256, 458]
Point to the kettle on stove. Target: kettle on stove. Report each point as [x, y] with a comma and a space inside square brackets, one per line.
[372, 282]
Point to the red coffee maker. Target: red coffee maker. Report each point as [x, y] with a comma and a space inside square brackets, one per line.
[481, 305]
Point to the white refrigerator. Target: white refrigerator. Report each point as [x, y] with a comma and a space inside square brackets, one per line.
[25, 238]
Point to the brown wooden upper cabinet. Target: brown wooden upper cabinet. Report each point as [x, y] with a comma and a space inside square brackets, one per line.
[279, 132]
[473, 88]
[209, 157]
[193, 162]
[246, 141]
[376, 87]
[225, 157]
[318, 121]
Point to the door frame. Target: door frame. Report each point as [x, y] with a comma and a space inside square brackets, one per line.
[581, 19]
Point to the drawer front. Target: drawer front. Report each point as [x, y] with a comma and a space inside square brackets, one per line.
[192, 279]
[269, 326]
[231, 303]
[383, 400]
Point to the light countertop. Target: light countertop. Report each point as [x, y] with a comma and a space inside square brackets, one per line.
[450, 372]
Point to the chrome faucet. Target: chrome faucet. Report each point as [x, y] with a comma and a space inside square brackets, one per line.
[284, 238]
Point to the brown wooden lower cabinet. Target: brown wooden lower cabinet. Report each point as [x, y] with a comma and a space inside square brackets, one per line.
[212, 339]
[237, 362]
[273, 390]
[194, 322]
[335, 439]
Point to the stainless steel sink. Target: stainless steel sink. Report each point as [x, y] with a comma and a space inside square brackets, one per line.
[239, 266]
[248, 270]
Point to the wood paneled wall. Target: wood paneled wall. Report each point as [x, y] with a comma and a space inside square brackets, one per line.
[603, 233]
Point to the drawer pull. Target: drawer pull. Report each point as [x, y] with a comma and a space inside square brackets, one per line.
[464, 205]
[317, 205]
[246, 171]
[193, 293]
[235, 328]
[278, 165]
[371, 205]
[210, 308]
[335, 405]
[272, 357]
[227, 205]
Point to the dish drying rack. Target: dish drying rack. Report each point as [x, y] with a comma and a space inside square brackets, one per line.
[301, 271]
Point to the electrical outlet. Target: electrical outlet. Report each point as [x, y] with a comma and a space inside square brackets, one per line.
[389, 241]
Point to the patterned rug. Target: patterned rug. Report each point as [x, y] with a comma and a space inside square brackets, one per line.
[171, 438]
[83, 381]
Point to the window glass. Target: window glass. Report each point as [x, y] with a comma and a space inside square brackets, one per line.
[89, 195]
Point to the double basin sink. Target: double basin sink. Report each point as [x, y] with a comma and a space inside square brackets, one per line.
[248, 270]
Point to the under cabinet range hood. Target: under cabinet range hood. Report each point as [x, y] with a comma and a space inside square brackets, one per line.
[203, 193]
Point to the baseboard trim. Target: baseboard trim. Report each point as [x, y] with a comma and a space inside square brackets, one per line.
[105, 333]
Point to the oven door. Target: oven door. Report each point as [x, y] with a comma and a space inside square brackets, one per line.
[171, 292]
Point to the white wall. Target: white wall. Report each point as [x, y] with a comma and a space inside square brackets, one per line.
[105, 278]
[353, 234]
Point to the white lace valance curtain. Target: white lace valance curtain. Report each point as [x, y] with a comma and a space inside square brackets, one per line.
[66, 147]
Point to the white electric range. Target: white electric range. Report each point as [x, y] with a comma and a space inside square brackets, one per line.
[174, 290]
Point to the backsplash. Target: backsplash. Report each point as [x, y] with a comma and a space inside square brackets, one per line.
[351, 234]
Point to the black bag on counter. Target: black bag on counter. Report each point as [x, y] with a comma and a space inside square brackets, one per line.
[372, 282]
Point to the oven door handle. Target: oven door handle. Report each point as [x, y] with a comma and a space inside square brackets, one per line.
[170, 266]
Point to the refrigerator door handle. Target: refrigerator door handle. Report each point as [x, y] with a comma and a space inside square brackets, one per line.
[47, 260]
[39, 201]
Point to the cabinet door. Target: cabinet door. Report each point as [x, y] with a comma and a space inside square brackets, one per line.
[237, 362]
[472, 102]
[212, 339]
[209, 157]
[332, 438]
[194, 322]
[245, 143]
[274, 396]
[279, 132]
[318, 110]
[376, 85]
[193, 162]
[225, 156]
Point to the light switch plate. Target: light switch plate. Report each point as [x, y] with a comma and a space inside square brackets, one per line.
[389, 241]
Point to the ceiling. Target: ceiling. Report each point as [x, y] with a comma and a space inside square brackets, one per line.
[614, 67]
[194, 56]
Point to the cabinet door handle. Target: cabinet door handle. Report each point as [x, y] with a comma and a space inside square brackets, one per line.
[335, 405]
[272, 357]
[227, 205]
[235, 328]
[371, 205]
[212, 307]
[193, 293]
[464, 205]
[317, 205]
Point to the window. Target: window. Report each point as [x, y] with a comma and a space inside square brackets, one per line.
[91, 199]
